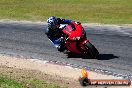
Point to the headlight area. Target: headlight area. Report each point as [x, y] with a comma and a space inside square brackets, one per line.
[76, 38]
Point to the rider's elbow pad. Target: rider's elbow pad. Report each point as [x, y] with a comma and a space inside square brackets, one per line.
[47, 31]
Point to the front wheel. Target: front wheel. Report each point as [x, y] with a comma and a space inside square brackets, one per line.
[91, 50]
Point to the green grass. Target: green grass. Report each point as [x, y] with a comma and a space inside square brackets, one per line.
[6, 82]
[95, 11]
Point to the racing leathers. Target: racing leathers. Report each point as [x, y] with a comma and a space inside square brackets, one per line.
[56, 35]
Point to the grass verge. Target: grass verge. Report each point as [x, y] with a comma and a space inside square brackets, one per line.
[6, 82]
[95, 11]
[20, 78]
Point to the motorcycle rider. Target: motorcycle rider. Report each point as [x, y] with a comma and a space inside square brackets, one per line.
[54, 33]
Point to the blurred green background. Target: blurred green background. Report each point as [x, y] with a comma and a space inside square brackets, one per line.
[90, 11]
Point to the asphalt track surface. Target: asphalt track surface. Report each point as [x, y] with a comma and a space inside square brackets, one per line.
[29, 40]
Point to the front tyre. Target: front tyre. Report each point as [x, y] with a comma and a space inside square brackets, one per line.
[91, 50]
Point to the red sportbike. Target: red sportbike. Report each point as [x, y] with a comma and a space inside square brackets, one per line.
[77, 42]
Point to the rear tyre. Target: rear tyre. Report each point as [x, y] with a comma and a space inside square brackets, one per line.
[91, 50]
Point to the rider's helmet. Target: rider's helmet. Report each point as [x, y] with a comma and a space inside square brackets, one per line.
[52, 22]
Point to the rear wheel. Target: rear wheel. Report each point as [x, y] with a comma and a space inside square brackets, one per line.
[91, 50]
